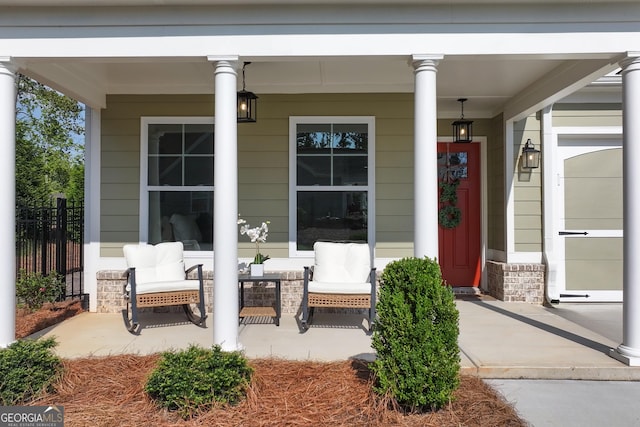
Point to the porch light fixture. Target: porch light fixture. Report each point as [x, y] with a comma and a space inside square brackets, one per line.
[462, 129]
[530, 156]
[247, 102]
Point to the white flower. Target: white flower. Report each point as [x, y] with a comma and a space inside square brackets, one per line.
[257, 235]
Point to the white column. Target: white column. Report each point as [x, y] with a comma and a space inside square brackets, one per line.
[92, 149]
[629, 351]
[425, 160]
[7, 207]
[225, 210]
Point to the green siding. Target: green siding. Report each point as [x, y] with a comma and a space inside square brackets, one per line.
[587, 115]
[263, 160]
[527, 190]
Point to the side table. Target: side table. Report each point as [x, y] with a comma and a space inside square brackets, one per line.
[260, 311]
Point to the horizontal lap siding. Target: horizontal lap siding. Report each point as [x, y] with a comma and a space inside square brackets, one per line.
[570, 115]
[120, 157]
[263, 160]
[527, 190]
[267, 143]
[528, 186]
[394, 182]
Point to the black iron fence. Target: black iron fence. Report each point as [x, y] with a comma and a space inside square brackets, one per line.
[49, 238]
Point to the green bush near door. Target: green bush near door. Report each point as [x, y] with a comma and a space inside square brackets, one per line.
[416, 336]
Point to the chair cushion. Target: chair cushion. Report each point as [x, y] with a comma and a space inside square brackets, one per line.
[177, 285]
[339, 288]
[341, 263]
[156, 263]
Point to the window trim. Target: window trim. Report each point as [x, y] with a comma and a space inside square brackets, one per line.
[145, 188]
[294, 188]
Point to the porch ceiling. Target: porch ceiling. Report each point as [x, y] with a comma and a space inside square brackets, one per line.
[490, 83]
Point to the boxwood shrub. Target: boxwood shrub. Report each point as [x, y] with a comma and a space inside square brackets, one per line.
[416, 336]
[27, 368]
[193, 380]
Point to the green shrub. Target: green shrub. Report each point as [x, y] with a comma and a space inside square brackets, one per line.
[27, 368]
[34, 289]
[416, 336]
[195, 379]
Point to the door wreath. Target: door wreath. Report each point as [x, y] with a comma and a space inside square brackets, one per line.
[449, 215]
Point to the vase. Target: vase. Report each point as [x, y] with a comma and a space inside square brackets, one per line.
[257, 269]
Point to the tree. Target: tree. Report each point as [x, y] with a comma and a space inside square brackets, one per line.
[75, 188]
[48, 154]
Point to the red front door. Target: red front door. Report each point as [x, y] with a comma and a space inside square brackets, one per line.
[459, 230]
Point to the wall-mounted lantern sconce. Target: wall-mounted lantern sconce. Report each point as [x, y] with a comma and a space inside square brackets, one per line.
[247, 103]
[530, 156]
[462, 129]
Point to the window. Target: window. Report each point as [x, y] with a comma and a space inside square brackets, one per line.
[332, 178]
[176, 200]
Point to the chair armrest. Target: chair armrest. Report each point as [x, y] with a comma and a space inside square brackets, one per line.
[308, 277]
[129, 275]
[372, 280]
[200, 277]
[193, 267]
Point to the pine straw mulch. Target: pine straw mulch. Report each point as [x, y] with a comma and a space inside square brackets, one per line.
[29, 322]
[108, 391]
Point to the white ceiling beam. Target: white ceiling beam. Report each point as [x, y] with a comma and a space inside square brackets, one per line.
[555, 85]
[76, 85]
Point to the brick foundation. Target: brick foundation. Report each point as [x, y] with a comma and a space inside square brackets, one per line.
[516, 282]
[111, 283]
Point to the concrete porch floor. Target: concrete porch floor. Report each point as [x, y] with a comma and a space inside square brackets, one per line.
[497, 339]
[548, 362]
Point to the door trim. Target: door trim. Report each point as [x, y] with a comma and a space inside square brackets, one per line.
[575, 140]
[484, 218]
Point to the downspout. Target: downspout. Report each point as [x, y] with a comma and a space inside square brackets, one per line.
[549, 225]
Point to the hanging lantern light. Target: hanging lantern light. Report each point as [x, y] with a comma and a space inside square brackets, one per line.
[247, 102]
[462, 129]
[530, 156]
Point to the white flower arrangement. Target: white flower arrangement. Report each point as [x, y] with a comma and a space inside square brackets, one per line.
[257, 235]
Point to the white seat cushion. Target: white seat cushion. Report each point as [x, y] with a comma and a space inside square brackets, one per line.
[339, 288]
[178, 285]
[156, 263]
[341, 263]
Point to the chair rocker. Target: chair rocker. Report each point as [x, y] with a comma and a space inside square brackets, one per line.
[156, 277]
[341, 277]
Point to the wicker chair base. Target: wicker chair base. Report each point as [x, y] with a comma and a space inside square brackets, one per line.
[167, 298]
[339, 300]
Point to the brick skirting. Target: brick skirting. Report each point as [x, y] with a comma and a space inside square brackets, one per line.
[111, 284]
[506, 282]
[516, 282]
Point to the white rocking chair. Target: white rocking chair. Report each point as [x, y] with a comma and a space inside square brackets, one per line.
[157, 277]
[342, 276]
